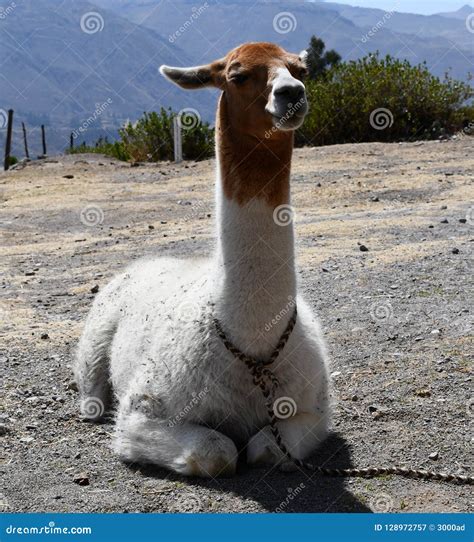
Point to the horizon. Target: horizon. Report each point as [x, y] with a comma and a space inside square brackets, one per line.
[409, 6]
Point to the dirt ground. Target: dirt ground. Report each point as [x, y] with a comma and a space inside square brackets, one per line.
[398, 320]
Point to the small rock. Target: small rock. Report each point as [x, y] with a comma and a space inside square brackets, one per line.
[434, 456]
[363, 248]
[72, 386]
[151, 227]
[27, 440]
[354, 398]
[4, 429]
[81, 479]
[77, 456]
[463, 220]
[30, 273]
[443, 207]
[444, 221]
[455, 251]
[68, 176]
[423, 393]
[44, 336]
[436, 332]
[95, 289]
[375, 199]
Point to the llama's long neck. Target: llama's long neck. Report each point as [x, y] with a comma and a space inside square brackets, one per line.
[256, 274]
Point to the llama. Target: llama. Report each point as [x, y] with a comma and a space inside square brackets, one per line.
[184, 402]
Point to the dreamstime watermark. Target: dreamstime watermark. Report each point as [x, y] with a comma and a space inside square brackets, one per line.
[280, 315]
[51, 528]
[378, 25]
[381, 502]
[286, 117]
[381, 311]
[284, 22]
[284, 408]
[92, 408]
[98, 111]
[195, 210]
[5, 12]
[3, 118]
[381, 118]
[197, 398]
[189, 118]
[92, 215]
[283, 215]
[292, 494]
[188, 311]
[196, 13]
[470, 23]
[92, 22]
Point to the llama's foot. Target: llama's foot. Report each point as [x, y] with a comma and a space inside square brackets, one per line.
[301, 435]
[187, 449]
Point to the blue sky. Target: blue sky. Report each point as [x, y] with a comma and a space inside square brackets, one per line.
[411, 6]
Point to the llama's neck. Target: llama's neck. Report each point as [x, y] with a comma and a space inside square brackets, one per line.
[256, 274]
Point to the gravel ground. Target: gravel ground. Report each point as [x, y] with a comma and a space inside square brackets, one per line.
[398, 319]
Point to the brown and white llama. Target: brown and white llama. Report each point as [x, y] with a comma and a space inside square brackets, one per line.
[185, 402]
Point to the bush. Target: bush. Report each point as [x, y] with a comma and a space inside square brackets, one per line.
[375, 99]
[103, 146]
[151, 137]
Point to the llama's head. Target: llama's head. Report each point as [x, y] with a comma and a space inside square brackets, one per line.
[262, 84]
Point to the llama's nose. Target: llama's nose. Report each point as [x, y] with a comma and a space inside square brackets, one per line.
[290, 93]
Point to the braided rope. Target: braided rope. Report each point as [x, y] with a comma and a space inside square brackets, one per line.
[261, 375]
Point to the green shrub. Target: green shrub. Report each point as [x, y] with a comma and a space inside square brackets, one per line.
[408, 101]
[151, 137]
[103, 146]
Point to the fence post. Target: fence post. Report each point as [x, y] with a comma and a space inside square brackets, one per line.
[178, 144]
[25, 141]
[8, 143]
[71, 141]
[43, 138]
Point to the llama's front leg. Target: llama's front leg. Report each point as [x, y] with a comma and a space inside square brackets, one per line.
[301, 434]
[187, 449]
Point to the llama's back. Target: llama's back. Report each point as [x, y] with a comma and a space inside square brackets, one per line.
[118, 322]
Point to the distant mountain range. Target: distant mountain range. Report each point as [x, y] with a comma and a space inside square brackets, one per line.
[72, 63]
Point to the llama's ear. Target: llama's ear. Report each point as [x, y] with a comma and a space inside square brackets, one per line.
[303, 56]
[209, 75]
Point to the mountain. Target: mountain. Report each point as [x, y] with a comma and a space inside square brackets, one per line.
[205, 33]
[57, 72]
[452, 30]
[61, 74]
[462, 13]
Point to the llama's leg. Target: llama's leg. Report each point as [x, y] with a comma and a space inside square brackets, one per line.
[301, 434]
[91, 370]
[187, 449]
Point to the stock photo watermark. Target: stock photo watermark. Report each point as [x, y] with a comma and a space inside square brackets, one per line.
[381, 118]
[284, 215]
[5, 12]
[92, 22]
[92, 215]
[284, 22]
[189, 118]
[98, 111]
[196, 13]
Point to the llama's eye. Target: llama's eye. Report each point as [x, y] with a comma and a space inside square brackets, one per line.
[239, 78]
[303, 73]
